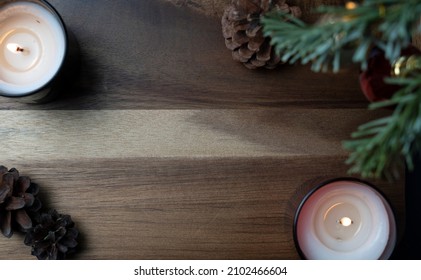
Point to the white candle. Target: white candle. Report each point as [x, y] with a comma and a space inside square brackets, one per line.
[345, 220]
[32, 47]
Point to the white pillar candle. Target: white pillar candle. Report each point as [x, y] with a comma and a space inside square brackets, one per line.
[32, 46]
[345, 220]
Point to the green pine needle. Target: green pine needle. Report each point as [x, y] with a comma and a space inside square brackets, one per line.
[387, 24]
[381, 147]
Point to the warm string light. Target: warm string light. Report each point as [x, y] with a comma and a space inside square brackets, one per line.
[350, 5]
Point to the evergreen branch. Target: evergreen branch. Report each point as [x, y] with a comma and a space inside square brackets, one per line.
[379, 148]
[387, 24]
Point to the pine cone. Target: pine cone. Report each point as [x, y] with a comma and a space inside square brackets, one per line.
[54, 237]
[243, 33]
[18, 201]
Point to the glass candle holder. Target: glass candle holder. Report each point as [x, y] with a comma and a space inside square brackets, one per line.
[345, 219]
[36, 50]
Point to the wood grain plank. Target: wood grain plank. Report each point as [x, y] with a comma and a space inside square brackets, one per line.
[152, 55]
[181, 208]
[73, 134]
[164, 148]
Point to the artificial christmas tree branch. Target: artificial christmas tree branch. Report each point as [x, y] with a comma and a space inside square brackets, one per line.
[378, 147]
[387, 24]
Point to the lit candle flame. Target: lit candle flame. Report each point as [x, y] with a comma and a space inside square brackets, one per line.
[345, 221]
[15, 48]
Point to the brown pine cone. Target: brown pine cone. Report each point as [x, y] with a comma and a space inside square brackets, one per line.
[243, 33]
[54, 237]
[18, 201]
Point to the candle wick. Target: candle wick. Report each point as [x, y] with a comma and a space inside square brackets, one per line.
[19, 49]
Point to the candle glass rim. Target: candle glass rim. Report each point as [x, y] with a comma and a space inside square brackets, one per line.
[45, 4]
[326, 182]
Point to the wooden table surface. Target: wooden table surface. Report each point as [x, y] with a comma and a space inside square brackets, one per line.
[164, 148]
